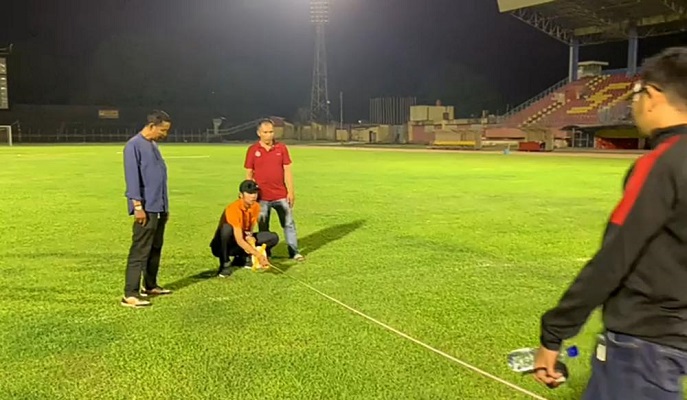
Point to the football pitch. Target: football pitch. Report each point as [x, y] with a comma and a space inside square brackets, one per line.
[462, 252]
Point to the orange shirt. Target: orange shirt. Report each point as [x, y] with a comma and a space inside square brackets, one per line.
[238, 215]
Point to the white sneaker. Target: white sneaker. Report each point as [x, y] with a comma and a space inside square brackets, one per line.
[134, 302]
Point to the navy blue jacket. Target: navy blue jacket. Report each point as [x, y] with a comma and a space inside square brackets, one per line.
[145, 173]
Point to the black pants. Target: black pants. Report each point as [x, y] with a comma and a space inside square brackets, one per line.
[224, 245]
[144, 254]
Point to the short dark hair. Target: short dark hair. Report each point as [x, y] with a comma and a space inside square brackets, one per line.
[158, 117]
[667, 70]
[263, 121]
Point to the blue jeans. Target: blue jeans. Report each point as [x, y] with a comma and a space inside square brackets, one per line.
[285, 214]
[635, 369]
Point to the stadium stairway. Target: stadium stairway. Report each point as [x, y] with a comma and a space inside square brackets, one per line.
[585, 111]
[576, 103]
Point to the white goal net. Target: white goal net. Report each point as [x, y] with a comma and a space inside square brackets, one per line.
[5, 135]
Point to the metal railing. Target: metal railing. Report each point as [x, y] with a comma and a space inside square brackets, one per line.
[533, 100]
[620, 113]
[60, 134]
[223, 134]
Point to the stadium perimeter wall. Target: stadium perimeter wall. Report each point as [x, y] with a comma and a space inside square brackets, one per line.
[102, 124]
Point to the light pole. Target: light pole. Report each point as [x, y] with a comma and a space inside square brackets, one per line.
[341, 109]
[319, 95]
[4, 84]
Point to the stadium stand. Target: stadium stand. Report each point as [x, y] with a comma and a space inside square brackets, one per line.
[598, 93]
[590, 101]
[577, 103]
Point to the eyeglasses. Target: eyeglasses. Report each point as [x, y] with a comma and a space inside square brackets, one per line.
[641, 87]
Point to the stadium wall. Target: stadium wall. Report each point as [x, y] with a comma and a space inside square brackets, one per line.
[283, 129]
[365, 133]
[421, 133]
[625, 132]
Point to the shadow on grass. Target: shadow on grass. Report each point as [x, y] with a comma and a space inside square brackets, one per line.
[316, 240]
[309, 244]
[191, 280]
[323, 237]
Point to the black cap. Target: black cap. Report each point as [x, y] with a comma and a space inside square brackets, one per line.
[248, 186]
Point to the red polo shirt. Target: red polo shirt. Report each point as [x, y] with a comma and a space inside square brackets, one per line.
[268, 169]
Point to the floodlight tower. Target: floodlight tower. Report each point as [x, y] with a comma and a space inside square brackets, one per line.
[319, 95]
[4, 87]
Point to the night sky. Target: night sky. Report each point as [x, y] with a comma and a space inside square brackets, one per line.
[248, 58]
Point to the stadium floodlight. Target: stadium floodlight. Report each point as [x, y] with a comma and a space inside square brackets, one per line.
[319, 12]
[4, 87]
[5, 135]
[319, 93]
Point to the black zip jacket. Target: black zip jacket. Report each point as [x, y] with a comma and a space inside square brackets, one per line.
[640, 273]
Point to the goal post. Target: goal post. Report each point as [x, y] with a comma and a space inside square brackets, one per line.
[5, 135]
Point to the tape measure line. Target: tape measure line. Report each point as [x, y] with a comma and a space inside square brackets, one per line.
[412, 339]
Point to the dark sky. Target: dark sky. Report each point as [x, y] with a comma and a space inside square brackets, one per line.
[246, 58]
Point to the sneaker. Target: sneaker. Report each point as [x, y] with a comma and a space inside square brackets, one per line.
[224, 272]
[299, 257]
[134, 302]
[158, 291]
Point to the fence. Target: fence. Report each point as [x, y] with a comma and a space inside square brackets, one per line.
[620, 113]
[28, 136]
[100, 124]
[391, 110]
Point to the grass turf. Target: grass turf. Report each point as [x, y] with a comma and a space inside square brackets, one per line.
[461, 251]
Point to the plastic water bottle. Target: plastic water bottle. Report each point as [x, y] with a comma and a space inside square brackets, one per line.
[522, 360]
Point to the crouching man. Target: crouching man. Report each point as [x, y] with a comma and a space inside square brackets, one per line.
[236, 227]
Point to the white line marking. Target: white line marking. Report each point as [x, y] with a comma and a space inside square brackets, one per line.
[171, 157]
[428, 347]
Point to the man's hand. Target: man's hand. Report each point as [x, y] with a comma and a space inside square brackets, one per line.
[264, 262]
[141, 217]
[545, 367]
[291, 199]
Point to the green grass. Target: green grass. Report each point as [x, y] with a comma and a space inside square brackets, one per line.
[461, 251]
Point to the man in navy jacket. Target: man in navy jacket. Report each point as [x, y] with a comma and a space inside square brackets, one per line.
[147, 197]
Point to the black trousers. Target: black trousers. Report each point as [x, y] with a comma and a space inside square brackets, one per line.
[144, 254]
[224, 245]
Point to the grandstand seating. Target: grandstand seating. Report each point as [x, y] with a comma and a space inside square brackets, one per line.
[577, 103]
[539, 108]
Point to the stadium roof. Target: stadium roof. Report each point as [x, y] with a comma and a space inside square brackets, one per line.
[599, 21]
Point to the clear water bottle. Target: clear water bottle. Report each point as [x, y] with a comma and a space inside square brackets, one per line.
[522, 360]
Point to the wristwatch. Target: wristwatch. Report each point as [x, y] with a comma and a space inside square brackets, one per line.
[138, 208]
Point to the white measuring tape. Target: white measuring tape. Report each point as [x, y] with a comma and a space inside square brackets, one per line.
[412, 339]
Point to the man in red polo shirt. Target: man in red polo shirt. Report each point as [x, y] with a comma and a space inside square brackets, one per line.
[268, 163]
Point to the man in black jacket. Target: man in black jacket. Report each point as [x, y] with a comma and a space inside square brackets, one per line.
[639, 275]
